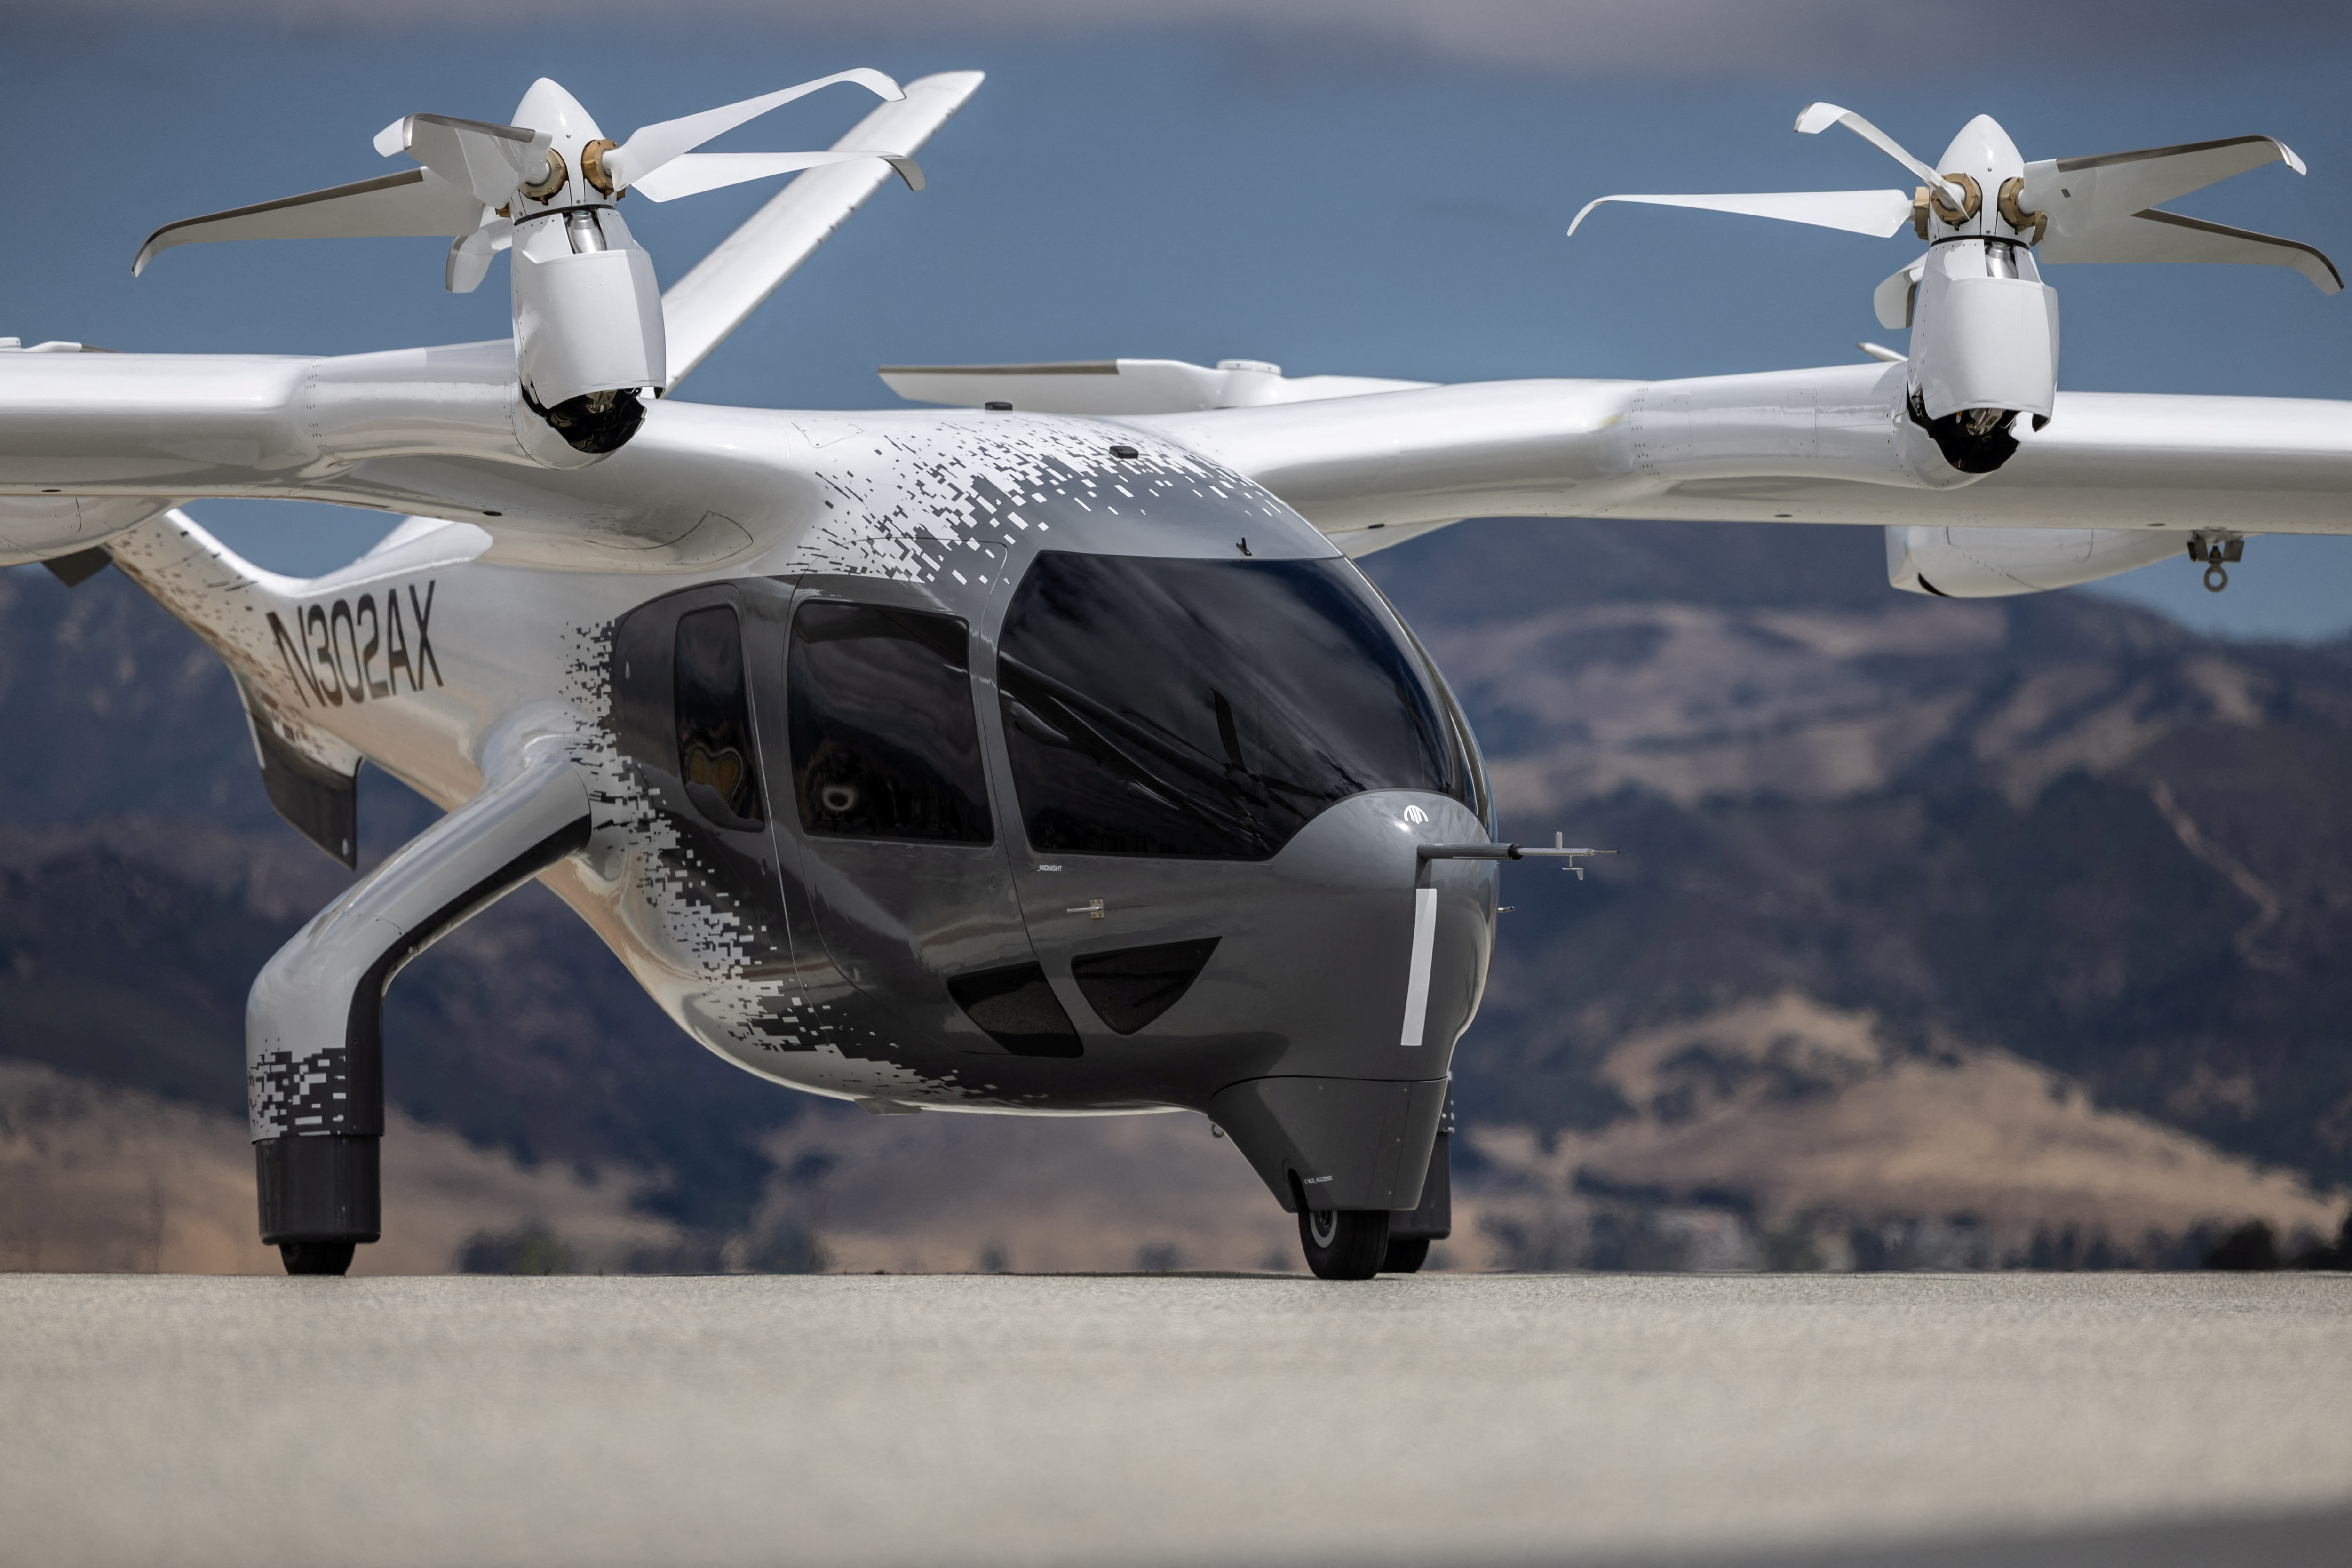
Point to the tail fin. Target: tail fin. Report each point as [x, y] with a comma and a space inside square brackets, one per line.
[255, 620]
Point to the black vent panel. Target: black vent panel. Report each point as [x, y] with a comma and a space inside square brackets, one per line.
[1135, 984]
[1017, 1009]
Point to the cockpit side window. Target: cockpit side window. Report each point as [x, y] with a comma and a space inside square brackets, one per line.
[715, 754]
[1208, 709]
[883, 738]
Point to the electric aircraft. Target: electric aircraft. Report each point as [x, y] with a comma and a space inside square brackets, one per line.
[1045, 753]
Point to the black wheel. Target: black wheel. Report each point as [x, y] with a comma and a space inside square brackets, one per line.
[1344, 1244]
[1406, 1256]
[317, 1256]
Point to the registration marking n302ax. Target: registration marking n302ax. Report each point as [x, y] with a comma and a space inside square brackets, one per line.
[330, 665]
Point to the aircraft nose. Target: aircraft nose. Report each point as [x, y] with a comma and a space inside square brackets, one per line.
[1396, 947]
[1367, 960]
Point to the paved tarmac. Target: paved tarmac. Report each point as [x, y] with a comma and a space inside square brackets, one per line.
[1939, 1420]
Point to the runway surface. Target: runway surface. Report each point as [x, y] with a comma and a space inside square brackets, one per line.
[1156, 1419]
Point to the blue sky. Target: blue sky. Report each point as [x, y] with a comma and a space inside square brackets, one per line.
[1290, 182]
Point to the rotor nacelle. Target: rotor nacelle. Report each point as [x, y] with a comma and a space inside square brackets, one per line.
[1984, 327]
[1991, 325]
[589, 338]
[589, 335]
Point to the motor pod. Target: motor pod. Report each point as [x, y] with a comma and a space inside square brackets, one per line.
[1984, 327]
[589, 339]
[1993, 562]
[1984, 348]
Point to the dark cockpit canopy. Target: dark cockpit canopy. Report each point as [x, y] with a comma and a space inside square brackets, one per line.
[1209, 708]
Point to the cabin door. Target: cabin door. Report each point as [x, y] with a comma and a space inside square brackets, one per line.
[881, 791]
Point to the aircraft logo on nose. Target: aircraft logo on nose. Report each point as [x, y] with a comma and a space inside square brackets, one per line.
[1414, 813]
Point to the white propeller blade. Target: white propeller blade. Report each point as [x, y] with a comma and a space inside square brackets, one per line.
[1819, 117]
[472, 154]
[2101, 209]
[690, 174]
[413, 202]
[2120, 183]
[651, 146]
[1878, 213]
[469, 255]
[2169, 236]
[1894, 299]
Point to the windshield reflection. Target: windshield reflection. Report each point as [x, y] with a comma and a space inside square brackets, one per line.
[1208, 709]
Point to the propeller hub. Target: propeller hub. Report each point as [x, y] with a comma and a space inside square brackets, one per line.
[549, 184]
[591, 165]
[1982, 161]
[1971, 200]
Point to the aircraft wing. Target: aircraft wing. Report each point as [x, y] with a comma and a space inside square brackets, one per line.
[1820, 446]
[1123, 387]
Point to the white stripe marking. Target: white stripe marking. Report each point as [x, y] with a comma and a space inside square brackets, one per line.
[1424, 947]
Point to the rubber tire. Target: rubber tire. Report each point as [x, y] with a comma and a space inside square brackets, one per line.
[317, 1256]
[1406, 1256]
[1353, 1244]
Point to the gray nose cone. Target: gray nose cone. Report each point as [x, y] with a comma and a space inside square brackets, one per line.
[1345, 1116]
[1352, 964]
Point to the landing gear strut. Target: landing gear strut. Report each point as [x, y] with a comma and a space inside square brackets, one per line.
[314, 1023]
[321, 1196]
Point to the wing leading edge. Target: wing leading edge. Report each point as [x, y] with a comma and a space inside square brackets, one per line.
[1820, 446]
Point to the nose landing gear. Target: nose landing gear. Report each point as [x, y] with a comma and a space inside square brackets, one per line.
[1356, 1243]
[1344, 1244]
[1406, 1256]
